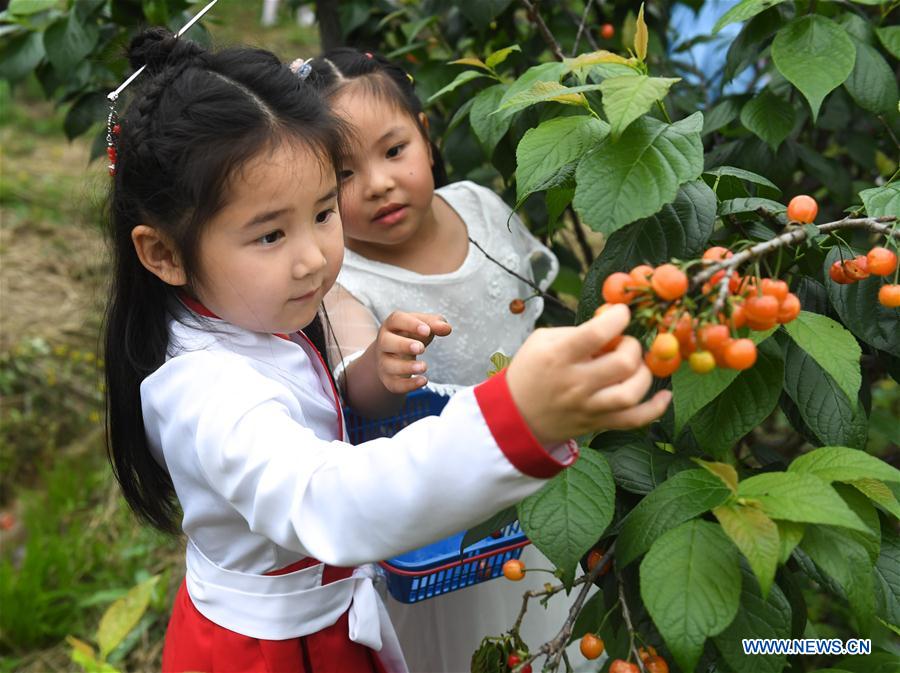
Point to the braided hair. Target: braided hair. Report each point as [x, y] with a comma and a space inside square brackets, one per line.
[337, 68]
[198, 118]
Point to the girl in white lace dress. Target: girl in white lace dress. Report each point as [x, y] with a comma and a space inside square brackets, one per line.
[411, 247]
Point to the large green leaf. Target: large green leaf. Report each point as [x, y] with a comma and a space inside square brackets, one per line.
[637, 464]
[741, 174]
[546, 149]
[746, 9]
[756, 535]
[845, 561]
[750, 205]
[839, 463]
[636, 175]
[870, 539]
[742, 406]
[872, 84]
[26, 7]
[798, 497]
[544, 92]
[480, 531]
[545, 72]
[482, 12]
[882, 201]
[770, 117]
[68, 40]
[833, 417]
[691, 585]
[571, 512]
[757, 617]
[815, 55]
[862, 313]
[789, 535]
[722, 114]
[887, 578]
[679, 230]
[831, 346]
[890, 38]
[682, 497]
[627, 98]
[20, 55]
[489, 128]
[692, 392]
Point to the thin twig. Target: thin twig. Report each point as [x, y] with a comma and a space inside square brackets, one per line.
[584, 16]
[626, 616]
[581, 237]
[529, 283]
[538, 20]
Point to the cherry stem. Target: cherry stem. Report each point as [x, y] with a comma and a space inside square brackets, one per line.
[626, 616]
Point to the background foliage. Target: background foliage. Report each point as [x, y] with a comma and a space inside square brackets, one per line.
[616, 159]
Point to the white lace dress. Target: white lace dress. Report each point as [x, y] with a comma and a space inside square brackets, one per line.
[440, 634]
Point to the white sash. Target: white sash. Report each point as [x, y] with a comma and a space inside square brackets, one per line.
[278, 607]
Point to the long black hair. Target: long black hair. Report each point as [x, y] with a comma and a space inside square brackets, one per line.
[336, 68]
[198, 118]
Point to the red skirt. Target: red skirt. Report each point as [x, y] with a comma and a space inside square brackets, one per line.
[194, 643]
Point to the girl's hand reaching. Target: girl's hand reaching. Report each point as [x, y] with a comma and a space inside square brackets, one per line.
[402, 337]
[564, 389]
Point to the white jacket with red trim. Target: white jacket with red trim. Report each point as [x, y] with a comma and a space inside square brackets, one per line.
[248, 425]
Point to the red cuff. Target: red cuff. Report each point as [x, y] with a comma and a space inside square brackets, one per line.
[512, 433]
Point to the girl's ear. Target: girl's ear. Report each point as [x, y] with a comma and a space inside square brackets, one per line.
[158, 255]
[423, 120]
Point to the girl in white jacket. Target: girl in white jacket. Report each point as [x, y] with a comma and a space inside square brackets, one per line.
[222, 414]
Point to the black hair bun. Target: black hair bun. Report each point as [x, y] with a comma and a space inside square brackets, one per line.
[157, 47]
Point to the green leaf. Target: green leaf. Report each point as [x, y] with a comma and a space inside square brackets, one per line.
[691, 392]
[546, 149]
[749, 205]
[722, 114]
[544, 92]
[497, 522]
[882, 201]
[545, 72]
[501, 55]
[789, 535]
[691, 586]
[815, 55]
[558, 199]
[890, 38]
[679, 230]
[887, 578]
[20, 55]
[770, 117]
[462, 78]
[568, 515]
[723, 471]
[839, 463]
[803, 498]
[746, 9]
[870, 539]
[684, 496]
[742, 406]
[862, 313]
[741, 174]
[27, 7]
[846, 562]
[825, 408]
[757, 617]
[123, 615]
[489, 128]
[87, 110]
[627, 98]
[872, 84]
[879, 493]
[635, 176]
[831, 346]
[637, 464]
[482, 12]
[67, 41]
[756, 535]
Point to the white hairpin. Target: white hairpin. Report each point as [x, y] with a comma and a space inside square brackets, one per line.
[302, 67]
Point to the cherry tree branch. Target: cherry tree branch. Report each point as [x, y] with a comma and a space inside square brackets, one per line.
[555, 649]
[581, 24]
[878, 225]
[538, 21]
[626, 616]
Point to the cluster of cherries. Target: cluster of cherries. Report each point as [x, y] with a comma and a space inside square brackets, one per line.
[878, 262]
[706, 343]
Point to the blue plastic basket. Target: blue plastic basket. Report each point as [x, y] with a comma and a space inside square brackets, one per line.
[437, 568]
